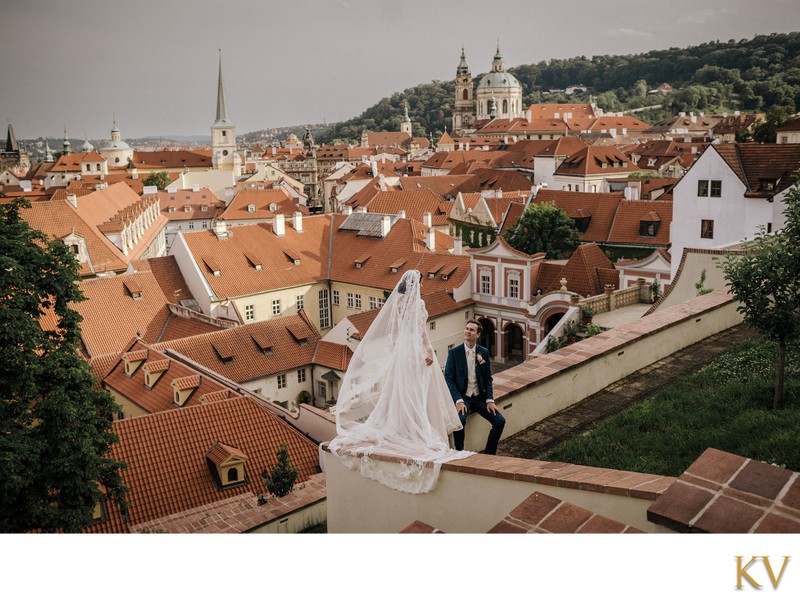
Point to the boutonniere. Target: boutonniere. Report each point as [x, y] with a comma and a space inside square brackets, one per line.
[479, 359]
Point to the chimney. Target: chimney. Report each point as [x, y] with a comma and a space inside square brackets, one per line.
[427, 218]
[528, 115]
[374, 166]
[694, 118]
[386, 225]
[458, 248]
[195, 187]
[431, 241]
[220, 229]
[134, 174]
[150, 190]
[382, 182]
[467, 145]
[402, 214]
[278, 225]
[499, 193]
[72, 199]
[347, 211]
[298, 222]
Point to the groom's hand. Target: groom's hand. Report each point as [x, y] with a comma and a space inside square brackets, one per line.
[491, 407]
[461, 406]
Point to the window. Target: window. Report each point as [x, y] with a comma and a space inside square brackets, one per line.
[233, 475]
[322, 389]
[648, 229]
[375, 302]
[205, 224]
[301, 375]
[513, 287]
[707, 228]
[276, 307]
[582, 224]
[702, 189]
[486, 282]
[301, 300]
[324, 309]
[281, 381]
[716, 189]
[249, 312]
[251, 208]
[74, 248]
[432, 326]
[358, 301]
[191, 224]
[335, 297]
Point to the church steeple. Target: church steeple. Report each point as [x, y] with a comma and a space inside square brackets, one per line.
[12, 146]
[223, 133]
[222, 108]
[463, 69]
[405, 125]
[65, 146]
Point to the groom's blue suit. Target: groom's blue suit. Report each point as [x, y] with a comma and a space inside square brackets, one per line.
[456, 374]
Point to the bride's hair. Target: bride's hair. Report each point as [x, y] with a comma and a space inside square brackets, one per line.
[401, 288]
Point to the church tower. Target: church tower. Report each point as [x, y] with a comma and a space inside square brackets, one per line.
[223, 133]
[499, 93]
[464, 107]
[405, 125]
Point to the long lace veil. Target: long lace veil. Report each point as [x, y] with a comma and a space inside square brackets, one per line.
[391, 402]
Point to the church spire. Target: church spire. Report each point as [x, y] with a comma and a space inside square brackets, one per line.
[12, 146]
[222, 110]
[498, 65]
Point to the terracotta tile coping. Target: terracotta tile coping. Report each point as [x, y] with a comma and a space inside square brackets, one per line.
[564, 475]
[539, 368]
[725, 493]
[237, 514]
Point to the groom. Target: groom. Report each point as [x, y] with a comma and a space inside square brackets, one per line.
[469, 379]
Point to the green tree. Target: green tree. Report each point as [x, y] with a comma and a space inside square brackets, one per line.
[55, 426]
[766, 281]
[159, 179]
[766, 131]
[280, 480]
[544, 228]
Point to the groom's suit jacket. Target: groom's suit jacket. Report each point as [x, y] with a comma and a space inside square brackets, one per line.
[455, 372]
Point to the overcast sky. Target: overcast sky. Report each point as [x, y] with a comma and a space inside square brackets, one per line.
[153, 63]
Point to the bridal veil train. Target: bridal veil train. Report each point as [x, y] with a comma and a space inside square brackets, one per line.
[392, 402]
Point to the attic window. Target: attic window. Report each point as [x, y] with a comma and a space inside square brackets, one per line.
[187, 209]
[449, 272]
[227, 465]
[254, 260]
[212, 265]
[171, 209]
[298, 333]
[396, 265]
[273, 207]
[263, 343]
[293, 257]
[204, 208]
[224, 353]
[251, 208]
[134, 289]
[649, 229]
[361, 261]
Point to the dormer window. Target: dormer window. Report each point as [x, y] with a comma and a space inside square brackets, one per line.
[134, 289]
[273, 207]
[133, 360]
[251, 208]
[184, 388]
[227, 465]
[648, 229]
[187, 209]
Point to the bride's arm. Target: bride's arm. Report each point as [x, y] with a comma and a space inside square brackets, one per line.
[428, 348]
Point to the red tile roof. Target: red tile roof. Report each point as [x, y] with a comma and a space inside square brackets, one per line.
[415, 204]
[159, 160]
[596, 160]
[765, 169]
[167, 471]
[602, 208]
[334, 356]
[112, 316]
[628, 222]
[174, 205]
[160, 397]
[583, 272]
[244, 348]
[263, 200]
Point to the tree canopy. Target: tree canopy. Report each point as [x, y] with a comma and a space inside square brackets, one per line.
[766, 281]
[753, 75]
[159, 179]
[544, 228]
[55, 425]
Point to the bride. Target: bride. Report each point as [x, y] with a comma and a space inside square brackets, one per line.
[394, 399]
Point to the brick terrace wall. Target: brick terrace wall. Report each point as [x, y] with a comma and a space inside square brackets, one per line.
[545, 384]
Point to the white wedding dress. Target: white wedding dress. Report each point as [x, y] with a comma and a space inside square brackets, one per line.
[392, 403]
